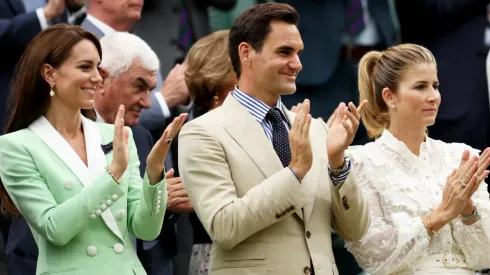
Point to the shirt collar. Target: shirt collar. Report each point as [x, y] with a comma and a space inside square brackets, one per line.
[388, 139]
[256, 107]
[104, 28]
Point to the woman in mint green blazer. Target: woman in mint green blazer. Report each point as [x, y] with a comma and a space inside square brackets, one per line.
[77, 182]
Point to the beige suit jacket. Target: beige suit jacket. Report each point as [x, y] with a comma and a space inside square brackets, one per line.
[260, 218]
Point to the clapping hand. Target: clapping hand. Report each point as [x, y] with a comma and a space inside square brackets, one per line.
[156, 158]
[342, 129]
[299, 141]
[120, 145]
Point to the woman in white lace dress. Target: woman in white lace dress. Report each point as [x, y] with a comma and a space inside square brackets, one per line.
[430, 209]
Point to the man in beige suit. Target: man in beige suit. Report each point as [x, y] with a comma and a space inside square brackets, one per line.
[267, 184]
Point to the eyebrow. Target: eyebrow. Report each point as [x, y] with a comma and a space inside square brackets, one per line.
[87, 61]
[145, 83]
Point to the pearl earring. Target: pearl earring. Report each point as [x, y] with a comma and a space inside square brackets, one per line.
[51, 93]
[392, 106]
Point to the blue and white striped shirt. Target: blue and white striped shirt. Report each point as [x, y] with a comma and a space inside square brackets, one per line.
[259, 110]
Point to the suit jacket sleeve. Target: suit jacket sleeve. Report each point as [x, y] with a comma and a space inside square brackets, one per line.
[350, 213]
[18, 31]
[227, 218]
[439, 15]
[146, 203]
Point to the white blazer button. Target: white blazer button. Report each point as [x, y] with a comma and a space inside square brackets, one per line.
[93, 216]
[118, 248]
[98, 212]
[121, 214]
[108, 202]
[114, 197]
[68, 184]
[91, 250]
[103, 206]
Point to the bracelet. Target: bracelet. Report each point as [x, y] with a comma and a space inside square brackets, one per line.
[472, 217]
[429, 224]
[112, 175]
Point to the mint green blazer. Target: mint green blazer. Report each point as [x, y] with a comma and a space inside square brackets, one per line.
[79, 216]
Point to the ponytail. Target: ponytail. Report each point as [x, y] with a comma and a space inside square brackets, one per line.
[374, 118]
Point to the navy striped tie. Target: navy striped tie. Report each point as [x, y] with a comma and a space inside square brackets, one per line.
[280, 139]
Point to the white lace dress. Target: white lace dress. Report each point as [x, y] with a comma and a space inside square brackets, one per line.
[401, 188]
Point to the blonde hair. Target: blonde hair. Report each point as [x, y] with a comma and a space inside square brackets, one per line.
[208, 67]
[379, 70]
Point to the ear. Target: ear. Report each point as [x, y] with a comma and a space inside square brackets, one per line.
[245, 51]
[389, 97]
[49, 74]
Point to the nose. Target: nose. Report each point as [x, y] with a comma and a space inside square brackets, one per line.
[145, 100]
[96, 78]
[434, 96]
[295, 63]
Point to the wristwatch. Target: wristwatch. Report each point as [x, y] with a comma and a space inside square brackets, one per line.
[472, 217]
[339, 171]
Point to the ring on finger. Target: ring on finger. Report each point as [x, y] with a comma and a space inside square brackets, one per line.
[463, 181]
[168, 140]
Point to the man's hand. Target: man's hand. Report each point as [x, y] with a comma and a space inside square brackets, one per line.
[174, 89]
[54, 9]
[178, 201]
[341, 131]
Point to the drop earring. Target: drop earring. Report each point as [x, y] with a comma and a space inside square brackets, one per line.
[51, 93]
[216, 99]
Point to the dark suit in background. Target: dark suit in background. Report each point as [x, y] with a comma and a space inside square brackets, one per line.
[453, 30]
[17, 29]
[166, 13]
[330, 59]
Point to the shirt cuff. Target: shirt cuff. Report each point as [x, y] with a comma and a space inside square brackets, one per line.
[294, 174]
[163, 104]
[339, 179]
[42, 19]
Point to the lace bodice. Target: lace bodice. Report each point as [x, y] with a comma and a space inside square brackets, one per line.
[401, 188]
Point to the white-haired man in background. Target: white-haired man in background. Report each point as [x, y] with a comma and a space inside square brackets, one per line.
[129, 68]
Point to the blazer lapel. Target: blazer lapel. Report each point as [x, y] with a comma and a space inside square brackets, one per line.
[311, 179]
[248, 133]
[96, 166]
[48, 134]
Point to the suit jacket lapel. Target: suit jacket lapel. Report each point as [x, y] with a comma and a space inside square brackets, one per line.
[48, 134]
[311, 179]
[248, 133]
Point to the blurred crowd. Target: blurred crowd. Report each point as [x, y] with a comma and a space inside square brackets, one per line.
[180, 38]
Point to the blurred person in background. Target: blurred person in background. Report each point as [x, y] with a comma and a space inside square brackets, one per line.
[209, 77]
[106, 17]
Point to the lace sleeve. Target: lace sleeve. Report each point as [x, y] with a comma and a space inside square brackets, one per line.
[394, 239]
[473, 239]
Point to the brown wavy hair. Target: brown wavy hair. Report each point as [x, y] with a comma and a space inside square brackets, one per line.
[208, 67]
[29, 93]
[379, 70]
